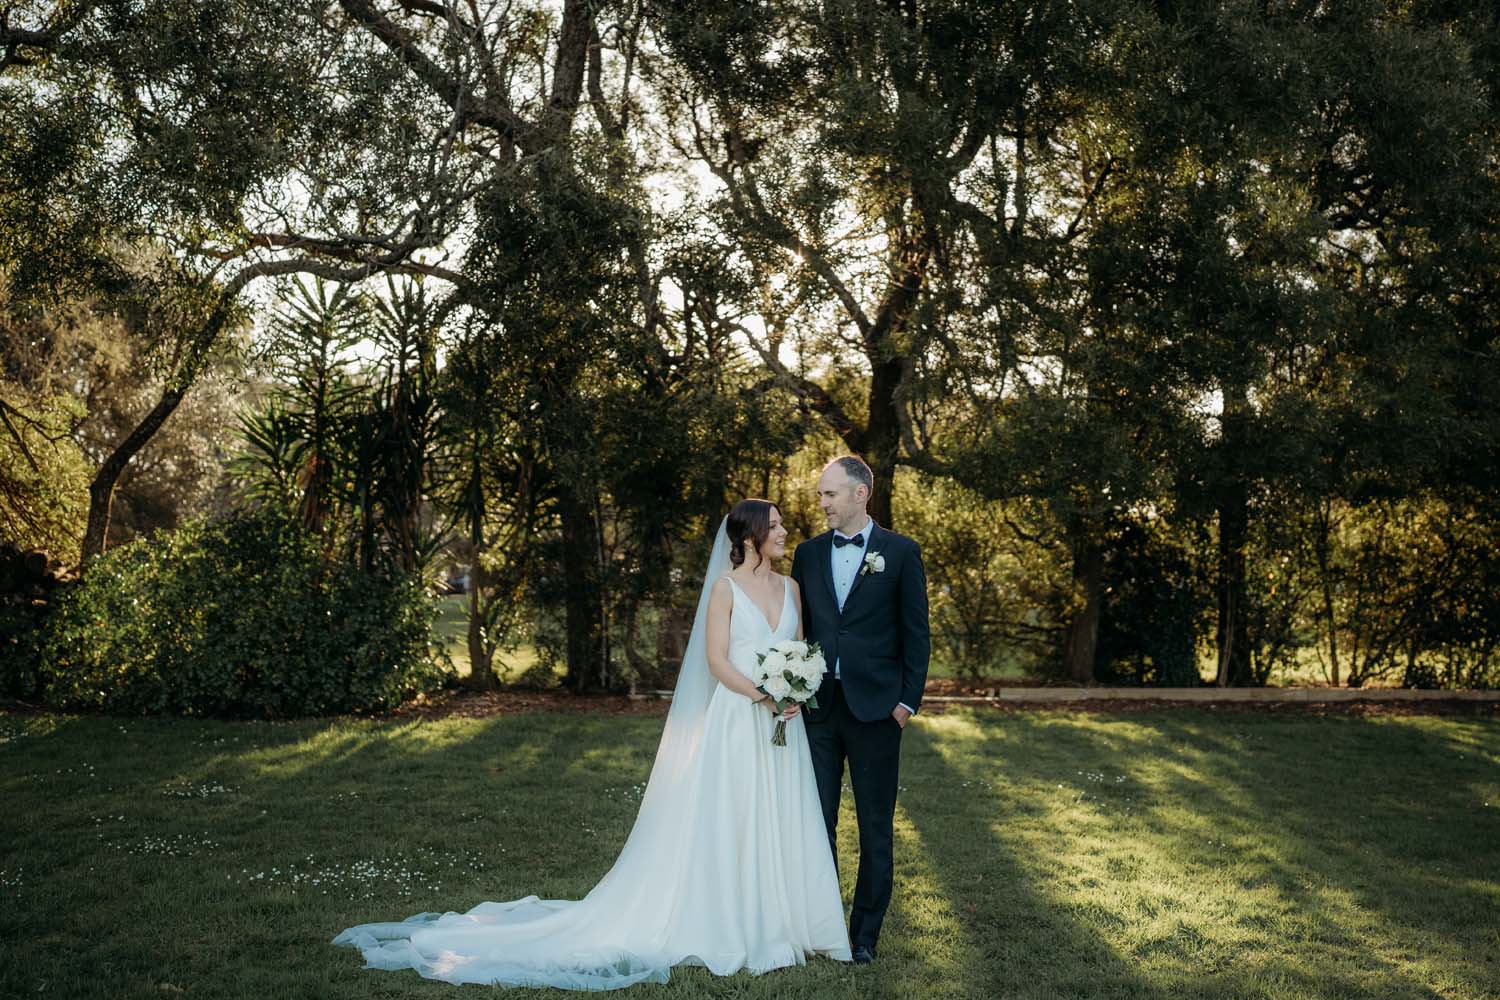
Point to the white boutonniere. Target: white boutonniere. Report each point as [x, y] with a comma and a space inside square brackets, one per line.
[874, 563]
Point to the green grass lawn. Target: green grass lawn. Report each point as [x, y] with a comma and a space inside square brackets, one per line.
[1160, 854]
[452, 630]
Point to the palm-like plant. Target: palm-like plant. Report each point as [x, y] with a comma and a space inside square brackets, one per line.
[272, 447]
[296, 448]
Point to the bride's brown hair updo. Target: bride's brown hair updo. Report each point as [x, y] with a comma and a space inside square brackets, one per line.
[749, 520]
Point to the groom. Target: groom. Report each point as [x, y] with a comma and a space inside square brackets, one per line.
[864, 599]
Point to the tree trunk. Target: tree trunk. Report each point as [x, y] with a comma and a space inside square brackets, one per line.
[366, 522]
[569, 64]
[481, 652]
[883, 441]
[583, 601]
[1323, 542]
[1232, 638]
[102, 489]
[1082, 643]
[481, 649]
[1234, 521]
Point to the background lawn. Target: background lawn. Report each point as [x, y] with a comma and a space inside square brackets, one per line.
[1304, 669]
[1158, 854]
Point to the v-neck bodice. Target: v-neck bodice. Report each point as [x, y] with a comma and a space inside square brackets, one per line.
[786, 594]
[750, 631]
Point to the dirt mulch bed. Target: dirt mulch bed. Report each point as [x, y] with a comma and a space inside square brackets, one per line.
[472, 704]
[1301, 708]
[481, 704]
[478, 704]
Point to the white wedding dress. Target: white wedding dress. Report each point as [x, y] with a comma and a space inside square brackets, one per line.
[727, 866]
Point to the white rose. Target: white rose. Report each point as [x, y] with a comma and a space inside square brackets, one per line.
[809, 671]
[777, 687]
[879, 564]
[796, 647]
[774, 663]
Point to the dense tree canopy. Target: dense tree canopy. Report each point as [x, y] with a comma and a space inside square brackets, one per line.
[1169, 328]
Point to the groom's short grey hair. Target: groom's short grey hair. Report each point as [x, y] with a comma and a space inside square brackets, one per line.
[856, 469]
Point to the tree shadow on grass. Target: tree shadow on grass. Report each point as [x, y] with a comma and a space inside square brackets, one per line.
[1241, 857]
[1328, 839]
[972, 908]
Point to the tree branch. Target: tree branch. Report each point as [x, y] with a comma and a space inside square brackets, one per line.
[611, 125]
[5, 411]
[805, 389]
[785, 237]
[428, 7]
[1089, 199]
[916, 454]
[747, 204]
[12, 40]
[973, 142]
[491, 112]
[572, 55]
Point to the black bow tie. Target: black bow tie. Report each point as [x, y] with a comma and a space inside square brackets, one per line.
[839, 541]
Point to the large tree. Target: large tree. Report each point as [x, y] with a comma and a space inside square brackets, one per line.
[257, 142]
[1254, 297]
[852, 141]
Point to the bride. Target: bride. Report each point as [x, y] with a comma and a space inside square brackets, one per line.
[728, 865]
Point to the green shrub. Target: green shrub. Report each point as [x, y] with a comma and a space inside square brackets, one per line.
[18, 653]
[244, 617]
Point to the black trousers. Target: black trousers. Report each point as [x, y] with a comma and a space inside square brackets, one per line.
[873, 751]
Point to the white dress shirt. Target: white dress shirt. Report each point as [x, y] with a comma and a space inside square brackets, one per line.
[847, 560]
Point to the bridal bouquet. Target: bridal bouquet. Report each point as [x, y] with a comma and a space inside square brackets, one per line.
[789, 672]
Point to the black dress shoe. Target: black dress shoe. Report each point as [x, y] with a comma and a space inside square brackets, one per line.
[863, 955]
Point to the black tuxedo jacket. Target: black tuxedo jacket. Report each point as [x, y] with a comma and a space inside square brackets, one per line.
[880, 641]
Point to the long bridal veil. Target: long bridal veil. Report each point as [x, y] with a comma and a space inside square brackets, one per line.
[667, 796]
[605, 940]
